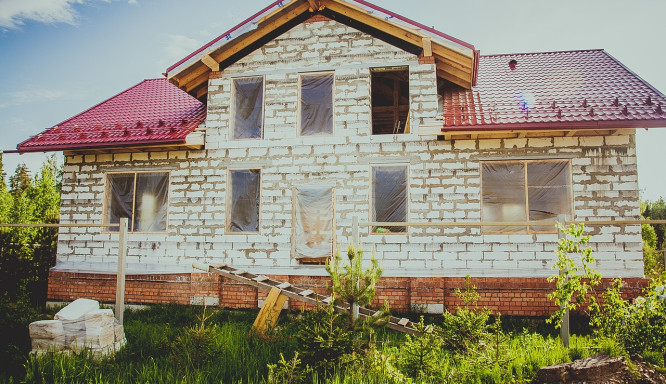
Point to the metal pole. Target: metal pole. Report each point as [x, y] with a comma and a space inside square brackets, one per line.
[564, 324]
[120, 278]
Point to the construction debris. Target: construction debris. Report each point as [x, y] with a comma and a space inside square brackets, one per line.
[81, 325]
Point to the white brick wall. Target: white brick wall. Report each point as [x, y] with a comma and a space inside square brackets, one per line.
[444, 179]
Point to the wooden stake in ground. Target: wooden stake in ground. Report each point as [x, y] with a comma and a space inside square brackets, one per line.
[120, 278]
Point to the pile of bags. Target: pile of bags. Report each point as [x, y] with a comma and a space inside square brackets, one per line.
[80, 325]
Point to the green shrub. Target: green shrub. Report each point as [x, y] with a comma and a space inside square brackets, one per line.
[468, 325]
[197, 346]
[420, 353]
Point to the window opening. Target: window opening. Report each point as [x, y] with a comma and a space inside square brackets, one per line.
[248, 107]
[390, 100]
[244, 200]
[316, 102]
[140, 196]
[389, 197]
[313, 223]
[529, 190]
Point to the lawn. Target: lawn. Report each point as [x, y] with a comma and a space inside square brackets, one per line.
[184, 344]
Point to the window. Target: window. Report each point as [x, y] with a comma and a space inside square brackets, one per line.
[316, 102]
[527, 190]
[248, 107]
[244, 200]
[313, 223]
[140, 196]
[390, 100]
[389, 196]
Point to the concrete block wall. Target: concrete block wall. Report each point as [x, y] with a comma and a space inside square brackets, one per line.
[444, 181]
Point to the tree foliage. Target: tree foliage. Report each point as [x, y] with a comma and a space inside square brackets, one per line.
[26, 254]
[576, 276]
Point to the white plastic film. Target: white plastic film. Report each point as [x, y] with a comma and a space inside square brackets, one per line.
[151, 202]
[120, 198]
[317, 104]
[389, 196]
[549, 192]
[503, 186]
[313, 221]
[145, 203]
[248, 103]
[244, 202]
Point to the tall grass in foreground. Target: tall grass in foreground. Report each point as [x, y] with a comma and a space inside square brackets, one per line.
[166, 344]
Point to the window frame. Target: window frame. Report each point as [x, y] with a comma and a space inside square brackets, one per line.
[232, 115]
[407, 127]
[299, 111]
[372, 197]
[228, 199]
[527, 228]
[106, 207]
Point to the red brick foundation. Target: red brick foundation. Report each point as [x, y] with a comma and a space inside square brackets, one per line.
[510, 296]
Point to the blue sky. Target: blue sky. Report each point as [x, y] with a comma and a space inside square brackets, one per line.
[60, 57]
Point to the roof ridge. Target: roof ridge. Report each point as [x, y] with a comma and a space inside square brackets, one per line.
[543, 53]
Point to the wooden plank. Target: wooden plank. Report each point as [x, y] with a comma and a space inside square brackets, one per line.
[239, 272]
[270, 312]
[454, 79]
[314, 5]
[306, 292]
[269, 24]
[359, 14]
[404, 321]
[427, 46]
[210, 62]
[261, 278]
[284, 285]
[199, 80]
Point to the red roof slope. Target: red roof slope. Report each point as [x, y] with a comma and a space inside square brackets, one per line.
[151, 112]
[572, 89]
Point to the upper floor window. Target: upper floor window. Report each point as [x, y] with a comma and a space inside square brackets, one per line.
[390, 100]
[389, 196]
[316, 104]
[140, 196]
[244, 200]
[248, 94]
[525, 190]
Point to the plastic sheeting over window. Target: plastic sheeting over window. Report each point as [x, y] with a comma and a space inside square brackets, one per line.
[389, 196]
[313, 222]
[317, 104]
[141, 197]
[525, 191]
[244, 200]
[248, 104]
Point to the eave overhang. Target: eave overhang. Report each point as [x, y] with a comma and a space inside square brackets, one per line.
[456, 61]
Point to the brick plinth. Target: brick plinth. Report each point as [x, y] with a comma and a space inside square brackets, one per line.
[510, 296]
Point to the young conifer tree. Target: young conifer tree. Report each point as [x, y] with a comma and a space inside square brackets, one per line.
[351, 283]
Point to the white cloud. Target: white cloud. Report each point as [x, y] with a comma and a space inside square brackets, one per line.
[14, 13]
[132, 2]
[33, 93]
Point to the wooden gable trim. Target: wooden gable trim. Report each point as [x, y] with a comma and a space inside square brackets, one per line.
[452, 65]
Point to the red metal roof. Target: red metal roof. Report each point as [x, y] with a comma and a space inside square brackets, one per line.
[152, 112]
[571, 89]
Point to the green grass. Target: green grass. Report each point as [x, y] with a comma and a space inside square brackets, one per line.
[167, 345]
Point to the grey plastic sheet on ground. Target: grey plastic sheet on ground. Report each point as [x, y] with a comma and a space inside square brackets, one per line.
[313, 221]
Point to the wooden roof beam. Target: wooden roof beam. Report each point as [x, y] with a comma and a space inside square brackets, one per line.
[427, 46]
[315, 5]
[271, 23]
[454, 79]
[210, 62]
